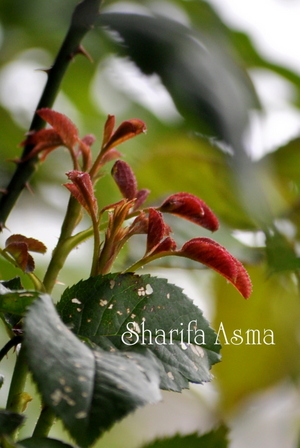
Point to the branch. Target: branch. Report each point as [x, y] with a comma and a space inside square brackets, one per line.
[83, 19]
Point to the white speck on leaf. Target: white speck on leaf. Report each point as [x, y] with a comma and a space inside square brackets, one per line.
[141, 291]
[111, 306]
[79, 310]
[195, 366]
[81, 414]
[136, 327]
[76, 301]
[103, 302]
[112, 284]
[170, 375]
[67, 389]
[56, 397]
[82, 378]
[120, 313]
[149, 289]
[198, 350]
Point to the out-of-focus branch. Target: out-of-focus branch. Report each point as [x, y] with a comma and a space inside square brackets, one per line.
[83, 19]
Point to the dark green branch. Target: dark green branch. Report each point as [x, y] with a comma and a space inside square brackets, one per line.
[83, 19]
[10, 344]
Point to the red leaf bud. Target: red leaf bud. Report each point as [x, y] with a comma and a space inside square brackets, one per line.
[125, 179]
[190, 207]
[215, 256]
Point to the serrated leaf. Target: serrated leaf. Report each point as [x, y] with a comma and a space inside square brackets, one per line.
[32, 244]
[19, 252]
[216, 438]
[89, 390]
[12, 284]
[82, 189]
[9, 422]
[43, 442]
[105, 309]
[62, 125]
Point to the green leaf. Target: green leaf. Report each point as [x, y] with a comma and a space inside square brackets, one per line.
[281, 254]
[208, 87]
[108, 309]
[89, 390]
[13, 284]
[213, 439]
[42, 442]
[16, 302]
[9, 421]
[252, 58]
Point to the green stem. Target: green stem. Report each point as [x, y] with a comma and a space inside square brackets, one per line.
[96, 233]
[44, 423]
[145, 260]
[83, 19]
[14, 400]
[60, 252]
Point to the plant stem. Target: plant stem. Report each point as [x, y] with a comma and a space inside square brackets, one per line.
[83, 19]
[145, 260]
[60, 253]
[44, 423]
[96, 233]
[14, 400]
[10, 344]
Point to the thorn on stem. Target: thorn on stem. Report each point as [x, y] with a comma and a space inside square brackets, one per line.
[81, 50]
[28, 187]
[45, 70]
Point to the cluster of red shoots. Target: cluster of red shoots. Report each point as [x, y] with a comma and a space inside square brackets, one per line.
[127, 217]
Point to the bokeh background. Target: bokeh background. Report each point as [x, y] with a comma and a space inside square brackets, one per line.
[251, 183]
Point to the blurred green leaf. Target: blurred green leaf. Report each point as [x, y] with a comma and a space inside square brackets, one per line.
[285, 165]
[262, 362]
[251, 58]
[277, 244]
[214, 439]
[193, 165]
[9, 422]
[42, 442]
[110, 309]
[16, 302]
[207, 86]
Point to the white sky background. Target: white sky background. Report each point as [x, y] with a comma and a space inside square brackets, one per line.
[274, 28]
[273, 24]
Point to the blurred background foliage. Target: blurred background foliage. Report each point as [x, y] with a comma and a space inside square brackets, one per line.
[193, 81]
